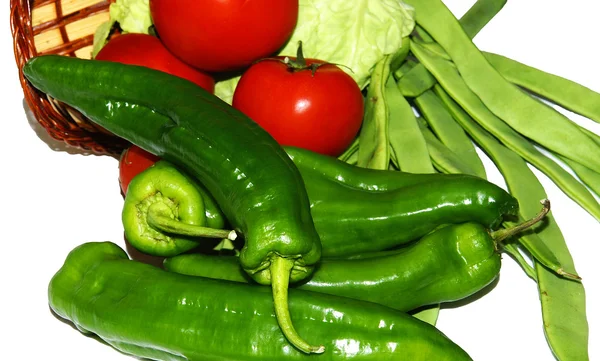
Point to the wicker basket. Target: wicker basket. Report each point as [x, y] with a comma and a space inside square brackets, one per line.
[64, 27]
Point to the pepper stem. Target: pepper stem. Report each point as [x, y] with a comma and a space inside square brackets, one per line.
[280, 270]
[158, 217]
[503, 234]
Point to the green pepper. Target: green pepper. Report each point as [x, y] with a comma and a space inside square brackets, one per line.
[359, 210]
[364, 210]
[446, 265]
[164, 213]
[144, 311]
[250, 176]
[313, 164]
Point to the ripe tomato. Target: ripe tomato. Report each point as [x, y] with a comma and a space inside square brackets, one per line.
[320, 111]
[133, 161]
[147, 50]
[223, 35]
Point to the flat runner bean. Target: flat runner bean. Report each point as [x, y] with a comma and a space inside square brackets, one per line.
[563, 92]
[544, 125]
[593, 136]
[416, 81]
[405, 67]
[452, 82]
[442, 157]
[448, 131]
[446, 161]
[410, 153]
[406, 140]
[586, 175]
[562, 300]
[513, 250]
[374, 150]
[566, 93]
[560, 91]
[538, 249]
[477, 17]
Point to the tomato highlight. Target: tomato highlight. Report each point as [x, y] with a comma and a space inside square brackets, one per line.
[305, 103]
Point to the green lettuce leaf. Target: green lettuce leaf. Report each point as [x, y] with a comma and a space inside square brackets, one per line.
[355, 34]
[132, 16]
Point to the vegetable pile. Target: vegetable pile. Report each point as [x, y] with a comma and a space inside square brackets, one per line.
[347, 180]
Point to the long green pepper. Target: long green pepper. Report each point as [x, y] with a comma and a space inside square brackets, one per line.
[250, 176]
[358, 210]
[144, 311]
[446, 265]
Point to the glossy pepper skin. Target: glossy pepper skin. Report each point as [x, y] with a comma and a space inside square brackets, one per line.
[252, 179]
[150, 313]
[358, 210]
[446, 265]
[165, 212]
[312, 164]
[351, 220]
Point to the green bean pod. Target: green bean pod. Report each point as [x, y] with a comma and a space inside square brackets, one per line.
[374, 150]
[453, 84]
[443, 158]
[586, 175]
[416, 81]
[406, 141]
[564, 92]
[562, 299]
[543, 125]
[478, 15]
[449, 132]
[149, 313]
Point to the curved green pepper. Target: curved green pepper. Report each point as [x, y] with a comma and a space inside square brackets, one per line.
[164, 212]
[359, 210]
[446, 265]
[311, 164]
[351, 219]
[144, 311]
[250, 176]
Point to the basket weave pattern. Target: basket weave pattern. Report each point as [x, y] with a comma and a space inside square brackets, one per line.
[63, 27]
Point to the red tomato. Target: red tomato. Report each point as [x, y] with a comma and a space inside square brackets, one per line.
[149, 51]
[223, 35]
[133, 161]
[321, 112]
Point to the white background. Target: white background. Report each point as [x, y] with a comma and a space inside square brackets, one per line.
[55, 198]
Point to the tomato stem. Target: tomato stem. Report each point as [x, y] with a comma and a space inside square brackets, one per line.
[300, 62]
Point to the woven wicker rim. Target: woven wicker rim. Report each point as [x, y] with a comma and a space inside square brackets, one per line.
[62, 122]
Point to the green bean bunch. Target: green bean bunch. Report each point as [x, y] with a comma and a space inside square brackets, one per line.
[436, 100]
